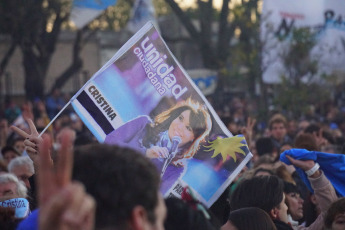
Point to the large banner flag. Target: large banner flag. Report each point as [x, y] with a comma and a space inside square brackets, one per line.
[84, 11]
[143, 99]
[324, 17]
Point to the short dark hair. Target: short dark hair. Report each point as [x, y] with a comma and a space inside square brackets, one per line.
[265, 192]
[181, 215]
[264, 145]
[9, 148]
[290, 188]
[119, 179]
[251, 218]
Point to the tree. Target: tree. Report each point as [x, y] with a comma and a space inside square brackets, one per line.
[34, 26]
[215, 52]
[293, 94]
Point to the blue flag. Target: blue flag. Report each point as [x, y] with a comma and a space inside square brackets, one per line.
[333, 166]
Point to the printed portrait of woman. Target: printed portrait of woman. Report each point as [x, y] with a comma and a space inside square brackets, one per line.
[174, 136]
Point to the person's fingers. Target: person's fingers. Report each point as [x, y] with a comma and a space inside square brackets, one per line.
[292, 160]
[46, 177]
[35, 139]
[253, 122]
[165, 152]
[29, 143]
[32, 126]
[89, 208]
[31, 150]
[81, 209]
[52, 210]
[84, 217]
[19, 131]
[65, 160]
[303, 164]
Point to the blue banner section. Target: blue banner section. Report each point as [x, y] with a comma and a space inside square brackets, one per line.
[94, 4]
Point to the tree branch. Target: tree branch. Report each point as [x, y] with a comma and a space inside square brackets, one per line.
[7, 57]
[185, 20]
[75, 66]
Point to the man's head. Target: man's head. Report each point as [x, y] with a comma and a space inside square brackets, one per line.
[125, 185]
[278, 126]
[11, 187]
[265, 192]
[23, 168]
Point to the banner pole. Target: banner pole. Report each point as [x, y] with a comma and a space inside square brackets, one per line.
[67, 104]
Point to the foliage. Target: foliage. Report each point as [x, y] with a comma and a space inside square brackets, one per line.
[33, 26]
[294, 95]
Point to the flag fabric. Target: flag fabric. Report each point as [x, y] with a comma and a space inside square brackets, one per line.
[333, 166]
[84, 11]
[322, 17]
[142, 98]
[142, 12]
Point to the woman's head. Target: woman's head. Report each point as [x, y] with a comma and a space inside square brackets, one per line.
[189, 120]
[293, 200]
[250, 218]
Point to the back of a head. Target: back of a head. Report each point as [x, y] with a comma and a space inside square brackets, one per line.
[119, 179]
[264, 145]
[312, 128]
[265, 192]
[251, 219]
[182, 216]
[306, 141]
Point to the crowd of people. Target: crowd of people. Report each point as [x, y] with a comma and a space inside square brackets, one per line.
[295, 179]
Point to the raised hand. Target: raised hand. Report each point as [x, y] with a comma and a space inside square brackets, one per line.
[63, 204]
[248, 130]
[303, 164]
[32, 140]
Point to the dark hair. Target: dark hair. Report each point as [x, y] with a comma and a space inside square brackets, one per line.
[314, 128]
[251, 218]
[290, 187]
[337, 207]
[306, 141]
[264, 145]
[181, 215]
[9, 148]
[265, 192]
[119, 179]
